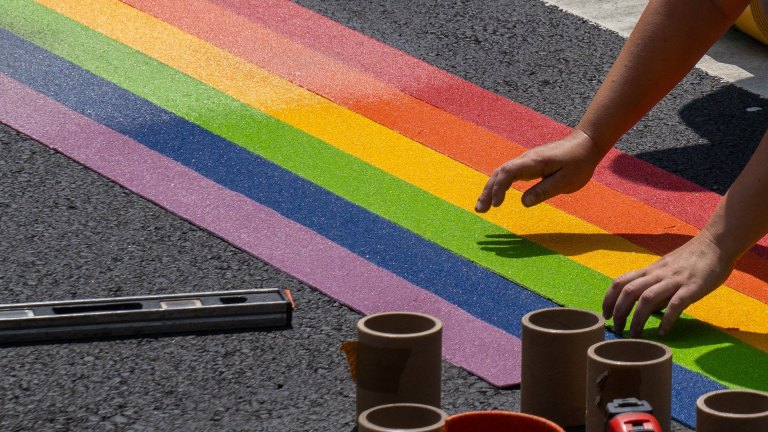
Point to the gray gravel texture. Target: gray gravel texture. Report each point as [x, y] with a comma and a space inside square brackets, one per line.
[66, 232]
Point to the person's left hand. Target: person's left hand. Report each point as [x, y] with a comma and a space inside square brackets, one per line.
[675, 281]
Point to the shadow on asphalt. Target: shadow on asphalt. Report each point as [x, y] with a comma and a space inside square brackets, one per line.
[730, 131]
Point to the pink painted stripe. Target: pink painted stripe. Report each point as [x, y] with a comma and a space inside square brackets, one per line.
[631, 176]
[468, 342]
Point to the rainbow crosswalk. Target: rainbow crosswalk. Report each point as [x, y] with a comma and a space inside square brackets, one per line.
[355, 168]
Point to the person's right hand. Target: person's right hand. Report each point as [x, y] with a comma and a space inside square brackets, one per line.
[563, 166]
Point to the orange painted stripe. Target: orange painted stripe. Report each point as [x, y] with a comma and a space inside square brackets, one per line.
[455, 137]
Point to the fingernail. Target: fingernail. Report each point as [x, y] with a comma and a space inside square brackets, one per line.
[527, 200]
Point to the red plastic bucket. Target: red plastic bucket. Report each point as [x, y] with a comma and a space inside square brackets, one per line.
[499, 421]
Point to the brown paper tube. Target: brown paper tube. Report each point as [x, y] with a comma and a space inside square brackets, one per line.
[731, 411]
[402, 418]
[626, 368]
[398, 360]
[554, 366]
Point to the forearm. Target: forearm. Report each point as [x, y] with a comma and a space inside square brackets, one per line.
[741, 218]
[667, 42]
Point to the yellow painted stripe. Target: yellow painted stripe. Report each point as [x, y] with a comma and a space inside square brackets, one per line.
[396, 154]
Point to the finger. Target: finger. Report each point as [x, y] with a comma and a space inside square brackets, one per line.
[627, 298]
[675, 308]
[618, 284]
[545, 189]
[502, 184]
[484, 201]
[523, 168]
[649, 302]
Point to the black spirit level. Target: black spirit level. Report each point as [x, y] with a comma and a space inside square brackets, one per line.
[128, 316]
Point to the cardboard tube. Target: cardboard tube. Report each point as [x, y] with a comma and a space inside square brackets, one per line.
[499, 421]
[626, 368]
[402, 418]
[732, 410]
[398, 360]
[554, 363]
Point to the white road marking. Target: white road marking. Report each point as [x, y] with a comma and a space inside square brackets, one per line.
[736, 58]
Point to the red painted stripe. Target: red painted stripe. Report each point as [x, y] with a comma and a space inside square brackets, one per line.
[658, 188]
[408, 74]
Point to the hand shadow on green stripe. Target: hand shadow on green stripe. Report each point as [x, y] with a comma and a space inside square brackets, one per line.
[729, 360]
[508, 245]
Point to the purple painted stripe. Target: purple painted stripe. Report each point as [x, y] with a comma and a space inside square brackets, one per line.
[468, 342]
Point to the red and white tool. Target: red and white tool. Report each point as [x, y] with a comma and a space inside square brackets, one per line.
[631, 415]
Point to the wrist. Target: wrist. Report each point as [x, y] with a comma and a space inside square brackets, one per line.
[723, 245]
[595, 152]
[601, 145]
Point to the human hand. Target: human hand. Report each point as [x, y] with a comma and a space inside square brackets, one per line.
[677, 280]
[564, 166]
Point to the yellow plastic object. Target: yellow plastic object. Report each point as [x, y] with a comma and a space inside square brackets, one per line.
[753, 20]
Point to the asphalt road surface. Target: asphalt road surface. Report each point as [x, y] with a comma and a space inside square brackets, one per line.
[66, 232]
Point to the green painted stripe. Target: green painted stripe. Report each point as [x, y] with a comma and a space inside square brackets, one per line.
[696, 346]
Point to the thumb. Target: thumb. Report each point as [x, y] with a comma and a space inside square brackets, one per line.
[547, 188]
